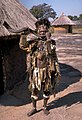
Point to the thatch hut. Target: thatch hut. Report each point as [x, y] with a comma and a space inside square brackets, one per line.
[12, 58]
[62, 24]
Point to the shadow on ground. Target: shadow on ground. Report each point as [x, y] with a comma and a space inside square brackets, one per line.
[69, 75]
[21, 95]
[67, 100]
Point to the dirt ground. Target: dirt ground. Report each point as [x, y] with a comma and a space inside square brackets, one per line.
[67, 105]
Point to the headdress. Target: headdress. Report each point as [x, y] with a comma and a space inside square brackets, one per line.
[42, 22]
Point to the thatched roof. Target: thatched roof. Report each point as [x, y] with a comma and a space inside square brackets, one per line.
[15, 15]
[62, 20]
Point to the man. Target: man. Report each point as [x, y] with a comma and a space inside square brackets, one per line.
[42, 65]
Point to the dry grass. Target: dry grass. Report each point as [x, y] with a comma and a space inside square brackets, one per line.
[77, 30]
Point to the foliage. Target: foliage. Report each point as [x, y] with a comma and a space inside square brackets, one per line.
[43, 11]
[80, 17]
[75, 17]
[71, 17]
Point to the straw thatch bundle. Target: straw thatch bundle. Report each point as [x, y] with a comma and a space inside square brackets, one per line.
[15, 15]
[62, 20]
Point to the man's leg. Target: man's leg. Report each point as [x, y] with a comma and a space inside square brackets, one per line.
[34, 101]
[46, 97]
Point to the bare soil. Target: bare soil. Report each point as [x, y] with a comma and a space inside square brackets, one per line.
[67, 105]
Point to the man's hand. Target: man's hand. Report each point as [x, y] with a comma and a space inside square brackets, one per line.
[28, 49]
[59, 76]
[58, 79]
[48, 35]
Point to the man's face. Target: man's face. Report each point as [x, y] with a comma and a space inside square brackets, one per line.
[42, 29]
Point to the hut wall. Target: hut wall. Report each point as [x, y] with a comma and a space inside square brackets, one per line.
[61, 29]
[14, 63]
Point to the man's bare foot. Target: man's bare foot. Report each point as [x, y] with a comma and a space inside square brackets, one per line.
[33, 111]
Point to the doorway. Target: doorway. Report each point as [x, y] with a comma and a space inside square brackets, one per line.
[1, 74]
[70, 29]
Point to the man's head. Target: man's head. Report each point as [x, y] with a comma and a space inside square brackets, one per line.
[42, 26]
